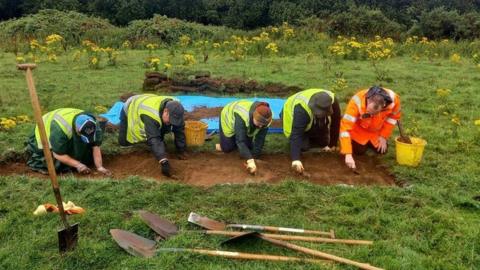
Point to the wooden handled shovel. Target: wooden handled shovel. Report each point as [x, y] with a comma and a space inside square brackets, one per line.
[211, 224]
[165, 229]
[142, 247]
[68, 236]
[313, 252]
[403, 137]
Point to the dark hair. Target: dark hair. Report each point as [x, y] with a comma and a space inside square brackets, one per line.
[379, 96]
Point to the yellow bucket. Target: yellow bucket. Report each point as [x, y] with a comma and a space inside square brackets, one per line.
[410, 154]
[195, 132]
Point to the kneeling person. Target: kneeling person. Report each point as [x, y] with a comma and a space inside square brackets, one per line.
[244, 125]
[148, 118]
[368, 122]
[74, 138]
[310, 118]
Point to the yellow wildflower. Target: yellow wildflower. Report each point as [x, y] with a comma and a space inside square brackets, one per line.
[185, 40]
[23, 119]
[53, 38]
[151, 46]
[272, 47]
[7, 124]
[34, 44]
[456, 120]
[155, 61]
[126, 44]
[455, 58]
[264, 36]
[188, 59]
[52, 57]
[20, 59]
[100, 109]
[441, 92]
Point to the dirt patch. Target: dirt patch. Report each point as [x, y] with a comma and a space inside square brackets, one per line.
[324, 169]
[201, 82]
[203, 112]
[277, 123]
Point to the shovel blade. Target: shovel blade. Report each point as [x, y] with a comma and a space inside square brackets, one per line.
[133, 243]
[161, 226]
[206, 223]
[68, 238]
[241, 238]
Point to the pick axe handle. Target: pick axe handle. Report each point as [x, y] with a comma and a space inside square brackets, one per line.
[240, 255]
[331, 233]
[45, 145]
[319, 254]
[297, 238]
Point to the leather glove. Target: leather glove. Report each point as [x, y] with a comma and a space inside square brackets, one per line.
[165, 167]
[297, 166]
[251, 167]
[82, 168]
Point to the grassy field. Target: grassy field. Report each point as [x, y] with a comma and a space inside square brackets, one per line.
[430, 224]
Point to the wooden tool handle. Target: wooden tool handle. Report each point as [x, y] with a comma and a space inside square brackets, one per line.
[45, 143]
[240, 255]
[402, 132]
[297, 238]
[278, 229]
[319, 254]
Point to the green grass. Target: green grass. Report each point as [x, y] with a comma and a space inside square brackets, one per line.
[432, 224]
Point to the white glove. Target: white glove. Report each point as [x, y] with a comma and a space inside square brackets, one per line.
[297, 166]
[82, 168]
[327, 149]
[349, 161]
[251, 167]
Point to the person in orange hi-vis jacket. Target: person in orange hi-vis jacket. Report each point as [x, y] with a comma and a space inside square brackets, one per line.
[368, 122]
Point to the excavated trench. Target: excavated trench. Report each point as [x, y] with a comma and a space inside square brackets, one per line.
[208, 169]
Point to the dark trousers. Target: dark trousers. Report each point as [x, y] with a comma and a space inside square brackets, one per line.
[228, 144]
[122, 132]
[359, 149]
[317, 136]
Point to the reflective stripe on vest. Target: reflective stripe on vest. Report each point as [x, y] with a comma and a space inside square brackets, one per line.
[146, 104]
[63, 117]
[303, 99]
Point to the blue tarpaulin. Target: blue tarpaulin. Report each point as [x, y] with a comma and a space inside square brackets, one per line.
[190, 102]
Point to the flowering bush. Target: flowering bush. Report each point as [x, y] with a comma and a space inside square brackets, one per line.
[8, 123]
[189, 60]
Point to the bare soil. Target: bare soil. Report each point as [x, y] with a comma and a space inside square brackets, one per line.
[203, 112]
[208, 169]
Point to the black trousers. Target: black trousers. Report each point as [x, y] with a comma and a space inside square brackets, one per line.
[359, 149]
[228, 144]
[122, 132]
[317, 136]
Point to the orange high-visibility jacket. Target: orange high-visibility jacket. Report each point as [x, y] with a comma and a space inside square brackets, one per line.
[362, 130]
